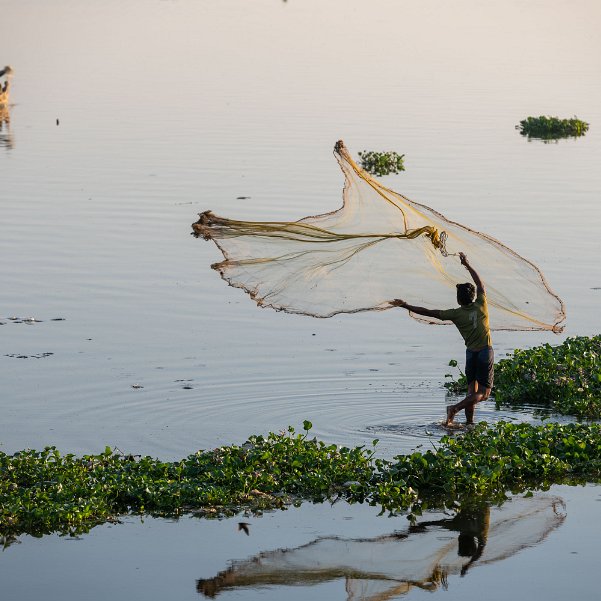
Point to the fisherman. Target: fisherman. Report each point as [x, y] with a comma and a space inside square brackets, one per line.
[5, 87]
[472, 522]
[471, 319]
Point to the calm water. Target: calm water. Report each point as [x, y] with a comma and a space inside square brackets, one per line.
[160, 559]
[169, 108]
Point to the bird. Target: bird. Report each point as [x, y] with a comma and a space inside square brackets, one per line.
[244, 527]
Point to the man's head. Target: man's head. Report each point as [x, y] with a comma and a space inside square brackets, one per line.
[466, 293]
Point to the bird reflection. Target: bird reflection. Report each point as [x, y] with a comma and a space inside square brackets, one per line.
[243, 526]
[385, 567]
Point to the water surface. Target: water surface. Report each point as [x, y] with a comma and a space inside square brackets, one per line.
[128, 118]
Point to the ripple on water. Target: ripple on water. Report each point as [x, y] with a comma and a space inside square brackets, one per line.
[171, 417]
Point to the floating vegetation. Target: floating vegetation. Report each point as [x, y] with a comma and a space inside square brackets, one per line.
[37, 356]
[565, 379]
[551, 128]
[459, 385]
[43, 491]
[381, 163]
[26, 320]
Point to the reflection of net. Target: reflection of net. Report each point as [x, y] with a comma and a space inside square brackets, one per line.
[378, 246]
[388, 566]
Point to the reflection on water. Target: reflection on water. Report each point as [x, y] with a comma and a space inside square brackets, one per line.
[387, 566]
[6, 137]
[110, 193]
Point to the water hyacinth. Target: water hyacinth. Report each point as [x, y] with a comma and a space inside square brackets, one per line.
[563, 379]
[381, 163]
[43, 491]
[548, 128]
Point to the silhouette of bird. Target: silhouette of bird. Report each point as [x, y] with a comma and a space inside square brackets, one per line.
[244, 527]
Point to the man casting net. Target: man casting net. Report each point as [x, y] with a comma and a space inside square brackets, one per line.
[378, 246]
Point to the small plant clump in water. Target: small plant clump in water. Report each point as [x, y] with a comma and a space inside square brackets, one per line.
[459, 385]
[43, 491]
[565, 379]
[381, 163]
[550, 128]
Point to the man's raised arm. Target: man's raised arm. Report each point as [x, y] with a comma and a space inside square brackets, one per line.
[473, 273]
[397, 302]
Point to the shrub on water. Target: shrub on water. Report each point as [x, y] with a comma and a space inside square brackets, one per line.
[552, 127]
[458, 386]
[381, 163]
[565, 378]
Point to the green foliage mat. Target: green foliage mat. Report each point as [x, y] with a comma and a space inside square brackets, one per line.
[549, 128]
[381, 163]
[564, 379]
[44, 491]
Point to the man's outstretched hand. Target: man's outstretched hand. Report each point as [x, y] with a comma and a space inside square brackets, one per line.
[398, 302]
[463, 259]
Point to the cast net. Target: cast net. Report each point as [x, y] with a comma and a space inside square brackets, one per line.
[378, 246]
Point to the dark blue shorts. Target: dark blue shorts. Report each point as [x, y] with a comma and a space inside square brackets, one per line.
[480, 366]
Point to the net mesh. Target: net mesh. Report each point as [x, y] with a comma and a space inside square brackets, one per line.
[378, 246]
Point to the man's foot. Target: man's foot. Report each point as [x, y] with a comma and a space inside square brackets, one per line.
[450, 415]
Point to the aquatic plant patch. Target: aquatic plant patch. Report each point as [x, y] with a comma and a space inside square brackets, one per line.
[459, 385]
[44, 491]
[548, 128]
[381, 163]
[564, 379]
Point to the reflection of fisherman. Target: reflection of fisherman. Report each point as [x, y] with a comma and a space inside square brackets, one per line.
[471, 319]
[6, 139]
[383, 567]
[472, 524]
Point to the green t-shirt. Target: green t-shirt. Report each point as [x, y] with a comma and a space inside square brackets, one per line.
[472, 322]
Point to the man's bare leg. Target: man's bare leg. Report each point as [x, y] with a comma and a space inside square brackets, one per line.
[452, 410]
[473, 396]
[470, 409]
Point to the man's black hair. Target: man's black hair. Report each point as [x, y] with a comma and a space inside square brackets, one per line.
[466, 293]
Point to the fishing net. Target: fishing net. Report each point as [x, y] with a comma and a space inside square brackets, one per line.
[386, 566]
[378, 246]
